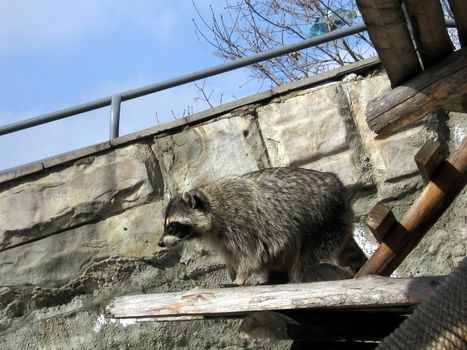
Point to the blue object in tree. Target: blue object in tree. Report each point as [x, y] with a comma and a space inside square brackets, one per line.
[319, 27]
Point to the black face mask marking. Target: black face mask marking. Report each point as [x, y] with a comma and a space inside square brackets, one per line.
[179, 230]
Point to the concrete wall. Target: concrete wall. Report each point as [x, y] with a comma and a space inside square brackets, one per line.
[78, 229]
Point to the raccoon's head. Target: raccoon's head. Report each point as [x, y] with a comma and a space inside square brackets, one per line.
[186, 217]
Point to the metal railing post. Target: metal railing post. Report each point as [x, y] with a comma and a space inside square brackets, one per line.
[115, 116]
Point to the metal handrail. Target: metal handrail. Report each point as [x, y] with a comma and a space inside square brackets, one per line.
[115, 100]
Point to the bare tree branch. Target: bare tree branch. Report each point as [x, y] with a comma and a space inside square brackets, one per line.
[247, 27]
[206, 98]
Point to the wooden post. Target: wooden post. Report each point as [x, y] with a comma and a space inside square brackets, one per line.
[428, 159]
[380, 220]
[388, 32]
[446, 183]
[429, 29]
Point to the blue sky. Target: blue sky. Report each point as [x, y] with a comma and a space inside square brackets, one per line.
[55, 54]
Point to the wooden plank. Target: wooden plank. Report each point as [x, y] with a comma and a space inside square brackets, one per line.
[380, 220]
[428, 159]
[368, 293]
[389, 34]
[429, 29]
[437, 86]
[429, 206]
[459, 105]
[459, 9]
[320, 325]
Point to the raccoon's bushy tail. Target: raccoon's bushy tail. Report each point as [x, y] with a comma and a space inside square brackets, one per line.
[351, 256]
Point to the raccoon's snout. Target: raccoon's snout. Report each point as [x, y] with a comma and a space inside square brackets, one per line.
[168, 241]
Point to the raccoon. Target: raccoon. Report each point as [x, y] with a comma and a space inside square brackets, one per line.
[271, 221]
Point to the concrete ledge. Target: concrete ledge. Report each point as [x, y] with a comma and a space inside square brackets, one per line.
[47, 163]
[22, 170]
[74, 155]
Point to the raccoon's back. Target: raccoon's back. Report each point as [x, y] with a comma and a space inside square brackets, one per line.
[287, 199]
[300, 188]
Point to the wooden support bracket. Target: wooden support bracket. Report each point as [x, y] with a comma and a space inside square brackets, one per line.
[428, 159]
[445, 185]
[380, 220]
[442, 84]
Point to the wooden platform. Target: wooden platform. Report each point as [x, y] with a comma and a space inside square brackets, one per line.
[365, 309]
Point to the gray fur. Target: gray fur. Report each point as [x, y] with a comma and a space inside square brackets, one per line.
[279, 220]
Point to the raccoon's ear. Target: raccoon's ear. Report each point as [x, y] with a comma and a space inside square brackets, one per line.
[193, 199]
[189, 199]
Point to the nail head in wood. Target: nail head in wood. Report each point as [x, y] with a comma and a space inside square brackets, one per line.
[380, 220]
[428, 159]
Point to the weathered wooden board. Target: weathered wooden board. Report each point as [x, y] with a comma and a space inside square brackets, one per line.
[429, 29]
[371, 293]
[389, 34]
[436, 87]
[459, 9]
[445, 184]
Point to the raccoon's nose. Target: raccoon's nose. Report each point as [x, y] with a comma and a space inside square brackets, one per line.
[161, 243]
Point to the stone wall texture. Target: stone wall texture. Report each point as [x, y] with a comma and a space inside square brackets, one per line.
[81, 229]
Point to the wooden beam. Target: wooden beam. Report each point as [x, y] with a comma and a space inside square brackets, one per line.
[429, 29]
[389, 34]
[446, 183]
[369, 293]
[436, 87]
[320, 325]
[459, 10]
[459, 105]
[428, 159]
[380, 220]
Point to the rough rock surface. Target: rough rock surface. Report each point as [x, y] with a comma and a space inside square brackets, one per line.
[59, 258]
[198, 155]
[84, 192]
[304, 128]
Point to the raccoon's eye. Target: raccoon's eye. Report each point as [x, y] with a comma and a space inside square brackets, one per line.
[172, 228]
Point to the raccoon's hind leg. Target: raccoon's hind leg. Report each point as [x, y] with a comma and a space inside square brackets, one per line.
[243, 272]
[297, 270]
